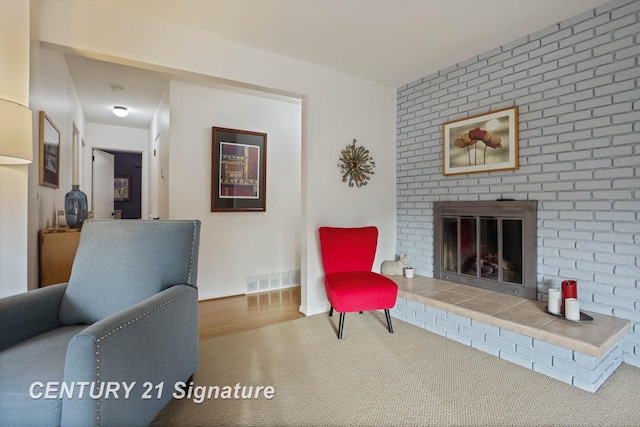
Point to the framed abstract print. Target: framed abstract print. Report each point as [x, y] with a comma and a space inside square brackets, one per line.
[239, 170]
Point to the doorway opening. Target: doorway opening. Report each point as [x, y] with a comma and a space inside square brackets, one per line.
[127, 191]
[116, 184]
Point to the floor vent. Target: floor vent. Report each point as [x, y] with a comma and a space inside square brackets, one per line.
[271, 281]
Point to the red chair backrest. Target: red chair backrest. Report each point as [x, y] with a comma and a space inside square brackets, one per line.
[348, 249]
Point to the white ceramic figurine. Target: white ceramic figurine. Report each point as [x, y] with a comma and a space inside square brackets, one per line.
[395, 268]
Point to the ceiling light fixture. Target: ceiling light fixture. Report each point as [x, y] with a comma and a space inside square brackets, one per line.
[120, 111]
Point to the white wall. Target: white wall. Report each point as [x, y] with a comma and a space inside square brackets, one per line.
[235, 244]
[118, 138]
[51, 91]
[14, 86]
[13, 230]
[159, 153]
[337, 108]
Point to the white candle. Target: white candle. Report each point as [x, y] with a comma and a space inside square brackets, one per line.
[572, 309]
[408, 272]
[555, 298]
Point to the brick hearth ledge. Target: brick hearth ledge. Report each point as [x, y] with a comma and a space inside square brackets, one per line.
[582, 354]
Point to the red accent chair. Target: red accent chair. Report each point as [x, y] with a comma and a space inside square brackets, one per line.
[347, 256]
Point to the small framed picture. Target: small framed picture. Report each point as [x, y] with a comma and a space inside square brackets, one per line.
[238, 170]
[483, 143]
[122, 189]
[49, 152]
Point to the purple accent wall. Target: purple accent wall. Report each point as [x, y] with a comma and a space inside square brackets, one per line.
[130, 164]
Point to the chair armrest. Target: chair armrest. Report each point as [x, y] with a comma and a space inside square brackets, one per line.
[152, 344]
[28, 314]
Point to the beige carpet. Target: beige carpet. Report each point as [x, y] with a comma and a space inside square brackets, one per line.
[373, 378]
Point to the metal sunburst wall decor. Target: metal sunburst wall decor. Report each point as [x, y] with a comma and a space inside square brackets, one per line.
[356, 165]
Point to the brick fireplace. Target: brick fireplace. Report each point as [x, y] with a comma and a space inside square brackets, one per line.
[577, 94]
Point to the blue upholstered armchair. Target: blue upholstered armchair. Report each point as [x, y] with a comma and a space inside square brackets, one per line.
[108, 347]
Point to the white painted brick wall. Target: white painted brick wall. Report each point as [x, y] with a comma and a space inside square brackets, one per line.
[577, 86]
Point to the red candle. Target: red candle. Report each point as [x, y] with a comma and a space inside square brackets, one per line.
[569, 290]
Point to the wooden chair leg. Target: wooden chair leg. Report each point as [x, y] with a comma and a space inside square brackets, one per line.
[386, 313]
[340, 326]
[331, 311]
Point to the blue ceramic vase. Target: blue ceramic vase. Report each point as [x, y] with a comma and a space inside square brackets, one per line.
[75, 207]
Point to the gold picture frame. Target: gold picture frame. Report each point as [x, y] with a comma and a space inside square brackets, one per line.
[49, 152]
[482, 143]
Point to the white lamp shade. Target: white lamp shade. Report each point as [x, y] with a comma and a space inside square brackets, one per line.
[16, 133]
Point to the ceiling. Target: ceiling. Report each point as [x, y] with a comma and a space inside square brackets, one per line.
[392, 42]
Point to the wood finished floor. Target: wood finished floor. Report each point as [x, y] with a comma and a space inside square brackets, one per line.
[222, 316]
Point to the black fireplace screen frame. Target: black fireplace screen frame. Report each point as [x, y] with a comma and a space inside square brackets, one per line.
[501, 211]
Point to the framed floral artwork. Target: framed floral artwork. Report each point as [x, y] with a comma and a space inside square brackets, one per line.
[482, 143]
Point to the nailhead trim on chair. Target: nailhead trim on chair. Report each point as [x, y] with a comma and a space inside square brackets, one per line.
[193, 246]
[113, 331]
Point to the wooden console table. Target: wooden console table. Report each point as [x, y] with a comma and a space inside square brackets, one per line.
[57, 249]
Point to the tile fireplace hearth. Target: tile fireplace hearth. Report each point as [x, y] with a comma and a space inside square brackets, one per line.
[582, 354]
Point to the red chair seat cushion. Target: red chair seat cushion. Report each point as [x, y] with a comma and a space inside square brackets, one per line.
[360, 291]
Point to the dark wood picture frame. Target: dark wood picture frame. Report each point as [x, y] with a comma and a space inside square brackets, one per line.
[238, 170]
[49, 152]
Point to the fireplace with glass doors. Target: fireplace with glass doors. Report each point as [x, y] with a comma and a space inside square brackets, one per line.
[487, 244]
